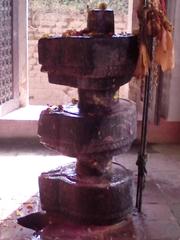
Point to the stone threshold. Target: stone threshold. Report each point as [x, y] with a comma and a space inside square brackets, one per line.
[21, 123]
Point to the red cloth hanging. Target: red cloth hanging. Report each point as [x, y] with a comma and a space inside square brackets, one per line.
[163, 5]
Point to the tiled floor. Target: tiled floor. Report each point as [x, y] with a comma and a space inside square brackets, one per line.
[21, 162]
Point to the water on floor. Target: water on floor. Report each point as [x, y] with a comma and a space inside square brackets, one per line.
[21, 162]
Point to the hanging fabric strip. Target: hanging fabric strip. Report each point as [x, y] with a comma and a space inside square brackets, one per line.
[163, 5]
[154, 23]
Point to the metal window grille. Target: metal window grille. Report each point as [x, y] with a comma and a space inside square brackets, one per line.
[6, 51]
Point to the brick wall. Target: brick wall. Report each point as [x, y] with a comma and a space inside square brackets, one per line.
[43, 22]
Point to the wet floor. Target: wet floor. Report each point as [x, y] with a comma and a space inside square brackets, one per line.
[21, 162]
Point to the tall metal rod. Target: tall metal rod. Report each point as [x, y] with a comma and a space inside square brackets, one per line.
[142, 155]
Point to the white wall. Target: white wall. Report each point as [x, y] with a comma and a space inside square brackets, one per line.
[171, 91]
[174, 99]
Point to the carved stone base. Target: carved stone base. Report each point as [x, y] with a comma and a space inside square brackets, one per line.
[98, 200]
[67, 230]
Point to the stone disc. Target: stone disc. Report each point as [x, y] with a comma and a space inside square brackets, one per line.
[97, 200]
[77, 134]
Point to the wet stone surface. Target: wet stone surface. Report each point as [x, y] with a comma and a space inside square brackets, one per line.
[103, 199]
[160, 218]
[89, 135]
[97, 65]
